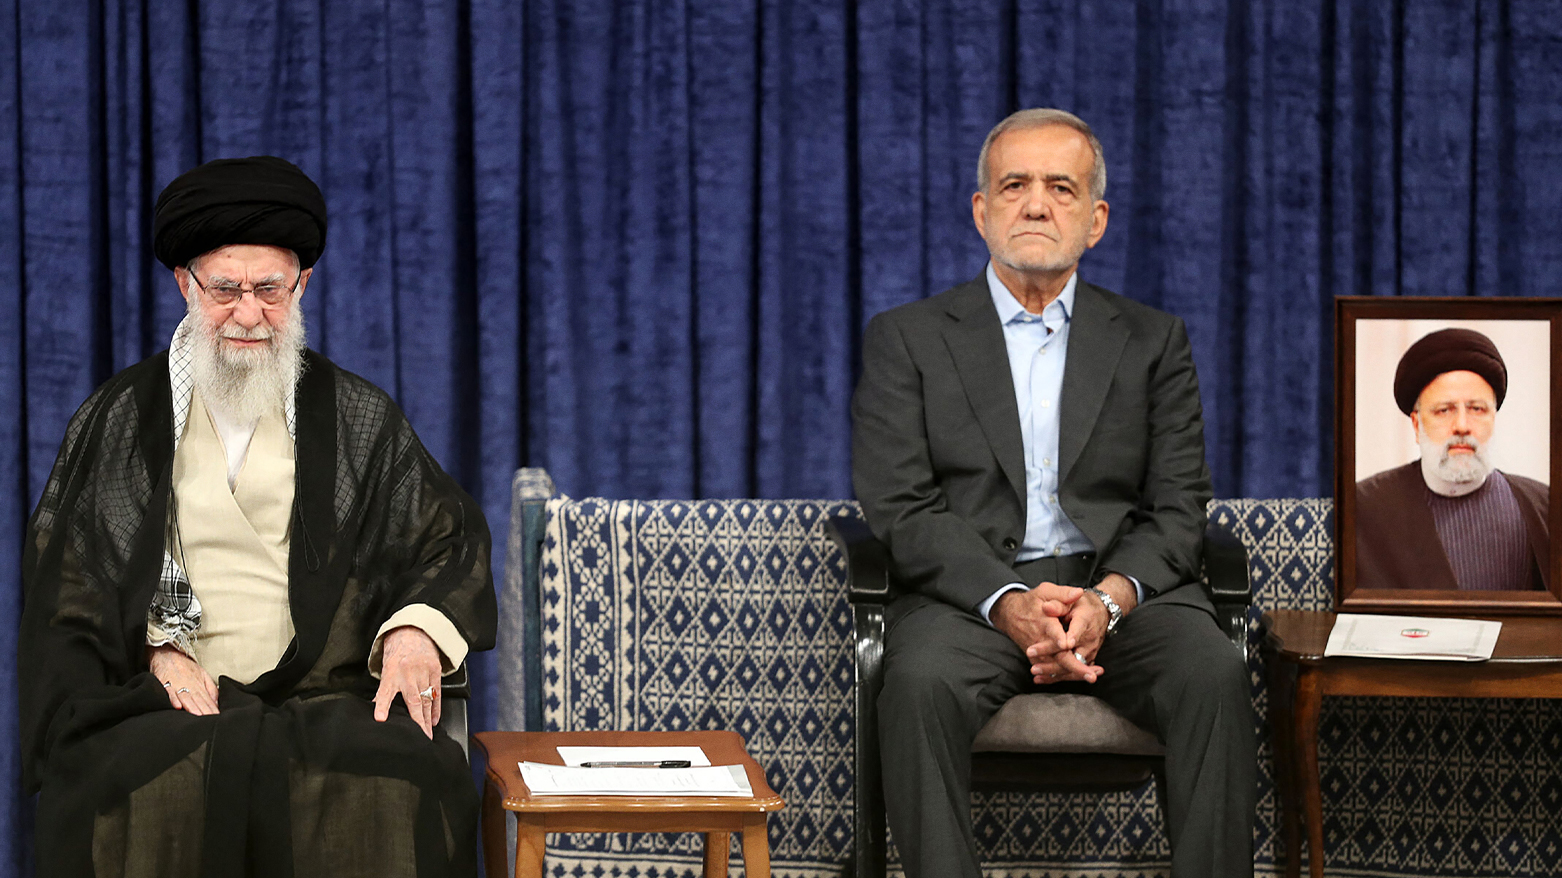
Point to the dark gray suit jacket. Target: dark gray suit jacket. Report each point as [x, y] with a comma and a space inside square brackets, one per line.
[938, 458]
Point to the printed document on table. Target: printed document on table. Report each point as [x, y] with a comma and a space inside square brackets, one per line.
[562, 780]
[1412, 637]
[576, 755]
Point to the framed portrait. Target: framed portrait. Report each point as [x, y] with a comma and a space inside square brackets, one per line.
[1447, 466]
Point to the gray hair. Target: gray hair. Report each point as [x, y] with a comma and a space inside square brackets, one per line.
[1041, 118]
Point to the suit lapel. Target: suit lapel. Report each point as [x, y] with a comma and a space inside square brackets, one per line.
[1095, 343]
[975, 342]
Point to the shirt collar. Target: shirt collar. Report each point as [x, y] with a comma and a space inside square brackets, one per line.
[1010, 307]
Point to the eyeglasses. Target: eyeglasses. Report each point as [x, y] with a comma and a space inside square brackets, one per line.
[269, 295]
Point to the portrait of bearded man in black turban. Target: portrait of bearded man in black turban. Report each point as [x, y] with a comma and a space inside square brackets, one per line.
[1451, 519]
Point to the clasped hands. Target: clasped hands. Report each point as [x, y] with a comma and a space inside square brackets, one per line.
[410, 667]
[1060, 627]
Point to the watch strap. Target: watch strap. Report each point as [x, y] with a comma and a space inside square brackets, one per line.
[1114, 613]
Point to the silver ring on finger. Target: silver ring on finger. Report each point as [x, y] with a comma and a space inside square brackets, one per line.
[427, 694]
[167, 683]
[1081, 658]
[182, 691]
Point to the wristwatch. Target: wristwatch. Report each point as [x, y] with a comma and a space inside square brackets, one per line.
[1114, 613]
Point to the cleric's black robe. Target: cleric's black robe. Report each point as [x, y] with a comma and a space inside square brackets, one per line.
[1396, 537]
[293, 775]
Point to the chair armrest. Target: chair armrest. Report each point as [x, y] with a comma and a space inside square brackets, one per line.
[456, 684]
[1225, 566]
[867, 560]
[1225, 577]
[455, 689]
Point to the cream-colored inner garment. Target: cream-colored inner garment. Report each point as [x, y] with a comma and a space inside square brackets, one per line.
[233, 543]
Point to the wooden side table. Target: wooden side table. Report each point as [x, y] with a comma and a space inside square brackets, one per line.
[716, 816]
[1527, 663]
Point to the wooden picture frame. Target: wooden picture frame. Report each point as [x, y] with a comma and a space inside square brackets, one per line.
[1371, 335]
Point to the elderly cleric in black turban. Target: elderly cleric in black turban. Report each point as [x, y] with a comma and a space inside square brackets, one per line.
[257, 200]
[1448, 350]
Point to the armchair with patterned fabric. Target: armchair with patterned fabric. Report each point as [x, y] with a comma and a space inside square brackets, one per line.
[1041, 741]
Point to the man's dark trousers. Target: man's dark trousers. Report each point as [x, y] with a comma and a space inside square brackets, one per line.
[1168, 668]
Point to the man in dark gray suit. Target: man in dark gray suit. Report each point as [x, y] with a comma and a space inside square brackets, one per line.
[1031, 449]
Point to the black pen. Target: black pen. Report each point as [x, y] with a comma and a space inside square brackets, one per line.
[665, 763]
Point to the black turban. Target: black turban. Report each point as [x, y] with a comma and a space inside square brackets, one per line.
[258, 200]
[1448, 350]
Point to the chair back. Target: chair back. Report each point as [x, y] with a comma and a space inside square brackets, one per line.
[709, 614]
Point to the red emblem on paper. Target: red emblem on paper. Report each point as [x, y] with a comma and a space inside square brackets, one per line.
[1415, 632]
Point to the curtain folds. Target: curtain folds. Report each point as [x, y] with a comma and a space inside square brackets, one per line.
[636, 242]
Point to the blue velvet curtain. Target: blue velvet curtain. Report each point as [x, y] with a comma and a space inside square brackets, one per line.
[636, 242]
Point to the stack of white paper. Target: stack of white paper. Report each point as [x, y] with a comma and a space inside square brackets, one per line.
[695, 756]
[1412, 637]
[562, 780]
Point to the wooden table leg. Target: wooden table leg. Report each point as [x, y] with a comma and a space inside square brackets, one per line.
[756, 848]
[1308, 700]
[530, 833]
[718, 847]
[495, 853]
[1282, 696]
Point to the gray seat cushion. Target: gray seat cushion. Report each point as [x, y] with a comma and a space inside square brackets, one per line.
[1048, 722]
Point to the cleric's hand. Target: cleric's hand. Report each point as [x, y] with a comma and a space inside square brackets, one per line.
[410, 668]
[188, 685]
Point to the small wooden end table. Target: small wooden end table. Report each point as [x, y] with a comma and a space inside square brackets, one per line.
[1527, 663]
[716, 816]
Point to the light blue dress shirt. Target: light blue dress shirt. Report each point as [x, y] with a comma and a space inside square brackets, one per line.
[1038, 347]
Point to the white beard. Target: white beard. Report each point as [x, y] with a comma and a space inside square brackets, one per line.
[246, 384]
[1453, 475]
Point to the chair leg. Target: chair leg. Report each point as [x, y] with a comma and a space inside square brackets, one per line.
[870, 855]
[870, 846]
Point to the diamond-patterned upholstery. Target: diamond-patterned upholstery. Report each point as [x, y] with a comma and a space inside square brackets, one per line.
[672, 614]
[705, 614]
